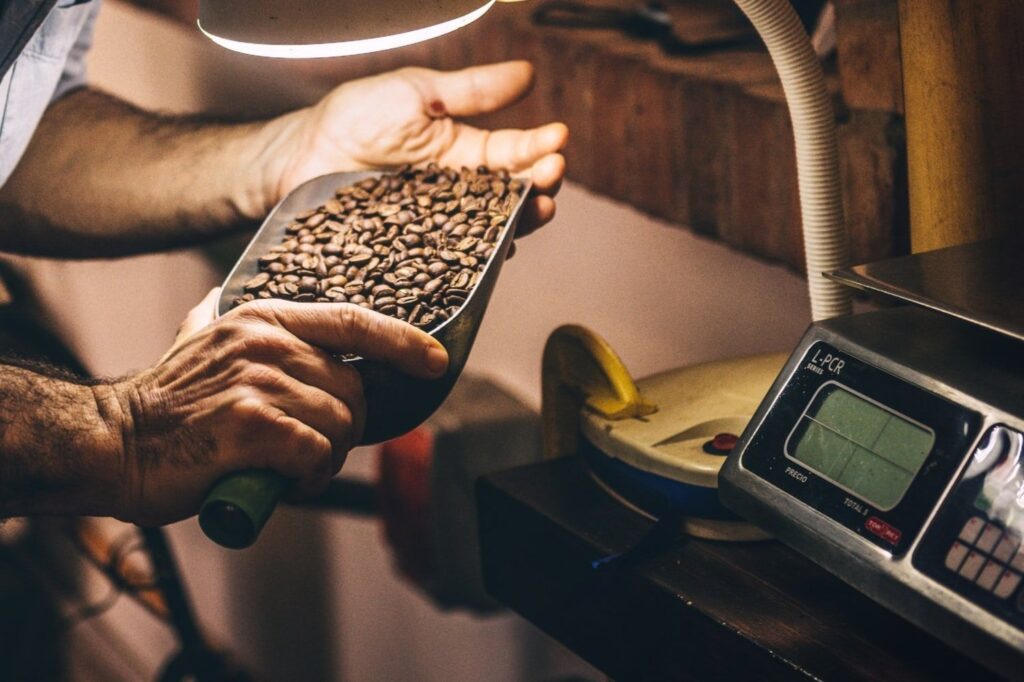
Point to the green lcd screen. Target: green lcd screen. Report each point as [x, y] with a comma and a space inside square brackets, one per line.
[860, 446]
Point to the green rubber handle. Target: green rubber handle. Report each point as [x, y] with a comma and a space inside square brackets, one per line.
[235, 510]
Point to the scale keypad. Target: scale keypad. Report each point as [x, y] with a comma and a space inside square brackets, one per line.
[988, 556]
[974, 545]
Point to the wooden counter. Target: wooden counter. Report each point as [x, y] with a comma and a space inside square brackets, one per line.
[696, 610]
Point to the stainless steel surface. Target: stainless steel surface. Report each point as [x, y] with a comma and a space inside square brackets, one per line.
[972, 367]
[982, 283]
[395, 402]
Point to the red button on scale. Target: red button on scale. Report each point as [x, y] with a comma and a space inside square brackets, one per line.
[989, 537]
[989, 575]
[721, 444]
[889, 533]
[956, 555]
[973, 564]
[972, 529]
[1007, 584]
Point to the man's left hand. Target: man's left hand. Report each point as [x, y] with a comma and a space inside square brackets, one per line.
[411, 116]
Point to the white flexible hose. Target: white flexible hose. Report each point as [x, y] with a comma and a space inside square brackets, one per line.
[826, 244]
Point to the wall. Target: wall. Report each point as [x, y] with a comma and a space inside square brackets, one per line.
[316, 599]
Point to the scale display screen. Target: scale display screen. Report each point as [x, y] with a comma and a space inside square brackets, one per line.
[859, 445]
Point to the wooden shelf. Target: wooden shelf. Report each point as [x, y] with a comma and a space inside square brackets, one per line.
[696, 610]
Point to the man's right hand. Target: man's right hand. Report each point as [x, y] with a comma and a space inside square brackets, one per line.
[256, 388]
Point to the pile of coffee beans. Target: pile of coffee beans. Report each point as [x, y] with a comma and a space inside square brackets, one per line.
[410, 244]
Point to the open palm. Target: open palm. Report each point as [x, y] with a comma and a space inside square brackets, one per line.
[412, 116]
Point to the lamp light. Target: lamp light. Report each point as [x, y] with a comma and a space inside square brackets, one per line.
[331, 28]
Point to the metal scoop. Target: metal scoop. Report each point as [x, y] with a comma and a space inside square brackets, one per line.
[239, 504]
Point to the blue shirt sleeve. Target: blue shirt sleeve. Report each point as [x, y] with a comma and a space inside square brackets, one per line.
[74, 75]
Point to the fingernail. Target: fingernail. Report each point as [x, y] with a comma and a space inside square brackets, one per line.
[437, 360]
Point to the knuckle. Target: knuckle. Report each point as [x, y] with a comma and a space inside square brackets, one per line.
[262, 342]
[352, 322]
[251, 411]
[258, 375]
[225, 331]
[343, 417]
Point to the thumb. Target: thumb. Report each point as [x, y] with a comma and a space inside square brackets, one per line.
[197, 318]
[347, 328]
[476, 90]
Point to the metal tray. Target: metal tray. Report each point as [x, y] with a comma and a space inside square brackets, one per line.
[395, 402]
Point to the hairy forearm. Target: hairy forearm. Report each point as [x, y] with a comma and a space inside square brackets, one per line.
[103, 178]
[61, 444]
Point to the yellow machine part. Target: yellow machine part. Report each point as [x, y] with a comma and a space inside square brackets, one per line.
[580, 369]
[586, 385]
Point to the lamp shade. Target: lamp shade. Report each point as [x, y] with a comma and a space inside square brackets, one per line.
[331, 28]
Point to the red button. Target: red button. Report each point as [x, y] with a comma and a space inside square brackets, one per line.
[721, 444]
[884, 530]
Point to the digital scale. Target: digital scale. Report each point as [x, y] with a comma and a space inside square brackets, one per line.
[890, 449]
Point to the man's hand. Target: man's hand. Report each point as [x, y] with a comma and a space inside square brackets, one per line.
[412, 116]
[258, 387]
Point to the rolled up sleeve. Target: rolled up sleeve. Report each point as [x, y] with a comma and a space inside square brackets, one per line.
[74, 73]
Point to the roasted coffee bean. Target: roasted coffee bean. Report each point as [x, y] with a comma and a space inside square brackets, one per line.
[336, 294]
[433, 285]
[256, 283]
[269, 258]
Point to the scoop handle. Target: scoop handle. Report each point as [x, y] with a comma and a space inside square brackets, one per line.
[238, 505]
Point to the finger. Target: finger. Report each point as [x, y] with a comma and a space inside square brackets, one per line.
[278, 441]
[538, 212]
[335, 377]
[300, 360]
[547, 174]
[314, 367]
[345, 328]
[476, 90]
[306, 457]
[507, 148]
[318, 410]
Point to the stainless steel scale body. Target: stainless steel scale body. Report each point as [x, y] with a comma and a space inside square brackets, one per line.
[890, 450]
